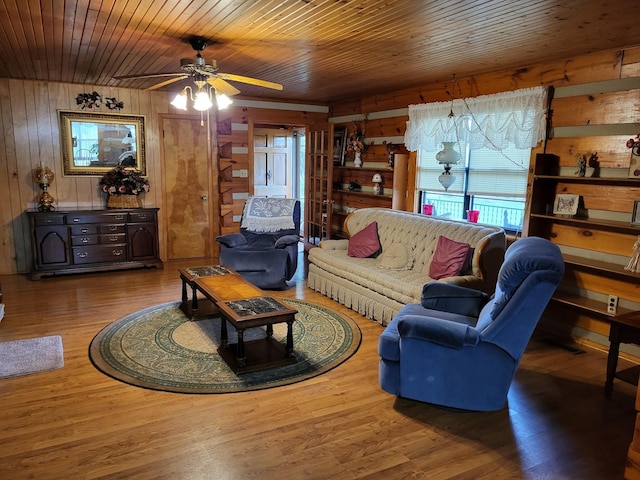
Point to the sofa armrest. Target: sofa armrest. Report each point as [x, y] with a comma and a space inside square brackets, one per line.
[286, 240]
[446, 297]
[341, 244]
[436, 330]
[232, 240]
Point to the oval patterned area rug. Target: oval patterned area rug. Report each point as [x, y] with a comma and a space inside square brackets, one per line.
[160, 349]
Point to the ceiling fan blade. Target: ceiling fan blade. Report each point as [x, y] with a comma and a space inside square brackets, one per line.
[249, 80]
[149, 75]
[167, 82]
[222, 86]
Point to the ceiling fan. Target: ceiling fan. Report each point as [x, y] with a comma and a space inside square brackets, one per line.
[203, 72]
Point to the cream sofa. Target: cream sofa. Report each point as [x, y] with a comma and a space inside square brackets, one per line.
[379, 287]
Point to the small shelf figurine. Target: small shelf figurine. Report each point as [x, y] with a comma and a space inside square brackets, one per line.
[354, 186]
[581, 165]
[377, 184]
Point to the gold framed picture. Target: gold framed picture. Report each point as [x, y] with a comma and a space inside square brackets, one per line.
[94, 143]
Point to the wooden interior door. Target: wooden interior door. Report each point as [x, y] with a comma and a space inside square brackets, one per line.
[186, 155]
[317, 219]
[272, 162]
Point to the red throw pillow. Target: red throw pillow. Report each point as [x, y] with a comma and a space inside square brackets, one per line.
[365, 243]
[449, 258]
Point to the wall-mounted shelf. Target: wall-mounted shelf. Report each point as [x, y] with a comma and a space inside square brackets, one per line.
[600, 223]
[587, 305]
[617, 181]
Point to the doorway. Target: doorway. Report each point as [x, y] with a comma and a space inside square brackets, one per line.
[279, 162]
[272, 162]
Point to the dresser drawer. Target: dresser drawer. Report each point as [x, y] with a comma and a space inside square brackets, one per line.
[81, 218]
[84, 230]
[104, 229]
[49, 220]
[99, 253]
[84, 240]
[112, 238]
[141, 217]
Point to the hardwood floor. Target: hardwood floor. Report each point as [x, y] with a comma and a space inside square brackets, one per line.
[77, 423]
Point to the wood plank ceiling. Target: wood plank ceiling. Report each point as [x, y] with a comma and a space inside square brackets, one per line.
[320, 50]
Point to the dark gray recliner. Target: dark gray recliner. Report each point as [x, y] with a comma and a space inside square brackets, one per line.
[265, 250]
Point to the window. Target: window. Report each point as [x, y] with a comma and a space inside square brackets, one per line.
[495, 135]
[492, 182]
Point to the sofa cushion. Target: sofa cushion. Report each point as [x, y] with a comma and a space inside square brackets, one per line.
[365, 243]
[396, 256]
[449, 258]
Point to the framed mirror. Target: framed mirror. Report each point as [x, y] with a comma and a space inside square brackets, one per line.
[95, 143]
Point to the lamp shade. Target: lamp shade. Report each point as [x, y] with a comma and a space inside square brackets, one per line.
[202, 101]
[180, 101]
[223, 101]
[448, 154]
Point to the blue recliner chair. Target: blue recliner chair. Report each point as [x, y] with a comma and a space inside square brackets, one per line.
[460, 348]
[265, 250]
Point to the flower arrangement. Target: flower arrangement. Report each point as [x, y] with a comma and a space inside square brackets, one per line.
[634, 145]
[124, 181]
[355, 142]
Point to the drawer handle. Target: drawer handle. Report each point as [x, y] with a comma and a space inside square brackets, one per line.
[117, 253]
[113, 238]
[119, 217]
[82, 254]
[142, 217]
[85, 240]
[75, 219]
[84, 230]
[113, 228]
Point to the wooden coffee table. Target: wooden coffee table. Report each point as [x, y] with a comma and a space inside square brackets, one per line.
[190, 305]
[245, 306]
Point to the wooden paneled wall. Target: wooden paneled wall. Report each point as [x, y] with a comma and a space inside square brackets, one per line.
[30, 134]
[29, 122]
[386, 116]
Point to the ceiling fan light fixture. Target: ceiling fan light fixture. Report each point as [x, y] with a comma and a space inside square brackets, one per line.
[202, 101]
[180, 101]
[223, 101]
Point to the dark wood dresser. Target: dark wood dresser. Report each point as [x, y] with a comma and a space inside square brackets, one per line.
[78, 241]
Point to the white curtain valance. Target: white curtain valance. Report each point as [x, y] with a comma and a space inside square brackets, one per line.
[490, 121]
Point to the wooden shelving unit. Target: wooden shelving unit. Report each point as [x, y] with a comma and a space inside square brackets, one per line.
[343, 199]
[600, 239]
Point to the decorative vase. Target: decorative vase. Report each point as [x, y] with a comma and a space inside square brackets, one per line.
[358, 159]
[124, 201]
[634, 165]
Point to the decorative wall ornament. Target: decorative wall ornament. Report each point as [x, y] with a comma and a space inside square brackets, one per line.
[94, 100]
[113, 103]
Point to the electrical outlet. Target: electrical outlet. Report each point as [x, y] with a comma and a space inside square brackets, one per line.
[612, 305]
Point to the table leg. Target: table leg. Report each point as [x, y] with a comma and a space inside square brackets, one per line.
[612, 358]
[224, 339]
[185, 299]
[290, 338]
[194, 300]
[269, 331]
[242, 361]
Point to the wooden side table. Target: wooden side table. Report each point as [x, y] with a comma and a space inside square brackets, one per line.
[624, 329]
